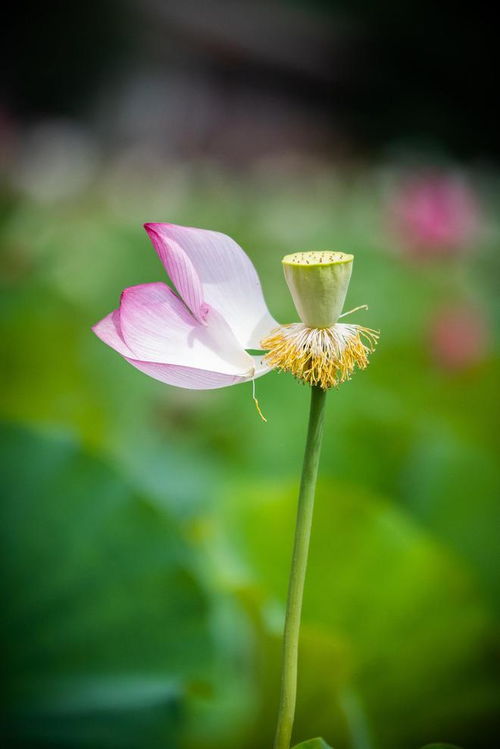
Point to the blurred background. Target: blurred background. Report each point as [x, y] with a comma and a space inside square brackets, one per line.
[146, 530]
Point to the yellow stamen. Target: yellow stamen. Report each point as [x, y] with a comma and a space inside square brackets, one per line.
[320, 356]
[257, 403]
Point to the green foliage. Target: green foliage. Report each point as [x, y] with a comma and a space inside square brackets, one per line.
[357, 650]
[106, 623]
[146, 531]
[313, 744]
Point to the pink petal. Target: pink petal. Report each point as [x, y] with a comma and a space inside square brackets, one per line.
[189, 377]
[108, 330]
[229, 282]
[157, 327]
[180, 270]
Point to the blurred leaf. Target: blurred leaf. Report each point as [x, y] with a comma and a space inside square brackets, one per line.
[399, 606]
[99, 397]
[104, 623]
[46, 335]
[313, 744]
[441, 746]
[453, 488]
[397, 644]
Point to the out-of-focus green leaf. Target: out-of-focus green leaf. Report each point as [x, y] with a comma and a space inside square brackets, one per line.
[453, 488]
[104, 622]
[94, 394]
[313, 744]
[394, 601]
[441, 746]
[396, 644]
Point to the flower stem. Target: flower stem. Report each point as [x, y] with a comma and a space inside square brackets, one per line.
[298, 570]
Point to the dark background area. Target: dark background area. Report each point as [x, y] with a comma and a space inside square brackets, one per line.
[374, 74]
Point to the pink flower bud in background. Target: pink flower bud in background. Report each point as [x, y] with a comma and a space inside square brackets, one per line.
[459, 337]
[435, 214]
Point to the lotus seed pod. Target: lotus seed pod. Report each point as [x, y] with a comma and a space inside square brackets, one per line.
[318, 283]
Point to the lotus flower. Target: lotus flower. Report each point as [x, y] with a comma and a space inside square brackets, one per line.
[201, 337]
[459, 337]
[436, 214]
[198, 337]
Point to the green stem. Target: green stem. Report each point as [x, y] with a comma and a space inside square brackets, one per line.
[298, 571]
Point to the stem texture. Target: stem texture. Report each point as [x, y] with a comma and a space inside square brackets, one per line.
[298, 570]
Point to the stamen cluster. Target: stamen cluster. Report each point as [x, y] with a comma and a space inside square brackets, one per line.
[320, 356]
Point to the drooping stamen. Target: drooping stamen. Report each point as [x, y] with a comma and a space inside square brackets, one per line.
[356, 309]
[320, 356]
[257, 402]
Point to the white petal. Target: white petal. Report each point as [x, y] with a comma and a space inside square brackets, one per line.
[157, 327]
[194, 379]
[109, 331]
[229, 281]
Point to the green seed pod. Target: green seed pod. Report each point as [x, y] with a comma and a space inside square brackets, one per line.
[318, 283]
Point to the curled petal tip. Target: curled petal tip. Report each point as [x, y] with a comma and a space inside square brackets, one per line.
[151, 225]
[209, 269]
